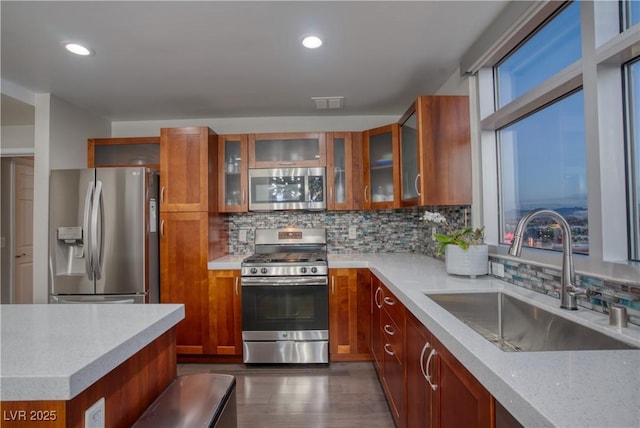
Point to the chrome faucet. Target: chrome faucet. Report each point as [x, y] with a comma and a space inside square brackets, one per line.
[568, 291]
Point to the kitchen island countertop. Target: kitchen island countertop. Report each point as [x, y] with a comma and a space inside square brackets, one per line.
[54, 352]
[567, 388]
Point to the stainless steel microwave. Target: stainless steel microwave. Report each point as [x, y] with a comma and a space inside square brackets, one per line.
[287, 189]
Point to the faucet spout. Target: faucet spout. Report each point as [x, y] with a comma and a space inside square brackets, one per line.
[568, 289]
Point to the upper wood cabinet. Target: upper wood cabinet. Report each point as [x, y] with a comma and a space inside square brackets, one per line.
[287, 150]
[381, 167]
[344, 171]
[187, 155]
[129, 151]
[233, 156]
[446, 141]
[410, 155]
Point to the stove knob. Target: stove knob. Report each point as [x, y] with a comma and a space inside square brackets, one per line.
[314, 270]
[264, 271]
[254, 270]
[303, 270]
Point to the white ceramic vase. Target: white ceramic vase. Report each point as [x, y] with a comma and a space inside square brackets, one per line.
[472, 262]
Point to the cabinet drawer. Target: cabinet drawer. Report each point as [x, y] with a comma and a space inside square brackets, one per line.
[392, 306]
[393, 337]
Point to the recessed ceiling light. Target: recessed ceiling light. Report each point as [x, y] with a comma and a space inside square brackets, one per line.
[78, 49]
[311, 42]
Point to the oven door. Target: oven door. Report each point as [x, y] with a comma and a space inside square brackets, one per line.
[284, 304]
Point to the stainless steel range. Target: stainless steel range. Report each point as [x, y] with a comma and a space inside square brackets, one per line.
[285, 299]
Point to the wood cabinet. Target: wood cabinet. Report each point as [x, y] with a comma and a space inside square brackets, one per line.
[279, 150]
[183, 275]
[440, 391]
[233, 154]
[388, 347]
[344, 171]
[349, 315]
[225, 313]
[381, 167]
[191, 230]
[126, 151]
[187, 155]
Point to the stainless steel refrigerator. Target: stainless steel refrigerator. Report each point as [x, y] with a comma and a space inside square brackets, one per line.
[103, 236]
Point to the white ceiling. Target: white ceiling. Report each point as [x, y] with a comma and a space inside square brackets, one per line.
[178, 59]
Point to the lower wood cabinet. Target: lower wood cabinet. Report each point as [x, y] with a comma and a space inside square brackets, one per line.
[349, 315]
[184, 243]
[440, 391]
[388, 347]
[225, 313]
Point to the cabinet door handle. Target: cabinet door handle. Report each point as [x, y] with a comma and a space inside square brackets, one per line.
[333, 285]
[386, 346]
[428, 376]
[416, 185]
[389, 330]
[286, 163]
[236, 285]
[375, 298]
[389, 301]
[365, 194]
[422, 362]
[162, 229]
[162, 195]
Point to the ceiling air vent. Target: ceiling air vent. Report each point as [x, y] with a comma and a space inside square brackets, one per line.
[325, 103]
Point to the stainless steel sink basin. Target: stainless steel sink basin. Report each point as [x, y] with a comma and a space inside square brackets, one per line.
[517, 326]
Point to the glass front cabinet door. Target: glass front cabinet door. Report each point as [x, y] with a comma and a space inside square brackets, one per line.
[287, 150]
[232, 155]
[344, 170]
[381, 164]
[409, 159]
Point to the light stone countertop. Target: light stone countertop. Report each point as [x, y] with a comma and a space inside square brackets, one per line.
[563, 389]
[54, 352]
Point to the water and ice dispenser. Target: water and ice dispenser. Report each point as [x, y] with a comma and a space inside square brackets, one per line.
[70, 252]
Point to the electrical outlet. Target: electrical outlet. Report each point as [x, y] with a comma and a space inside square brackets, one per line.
[497, 269]
[352, 232]
[433, 233]
[242, 236]
[94, 415]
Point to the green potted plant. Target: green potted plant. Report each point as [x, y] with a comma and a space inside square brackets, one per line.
[464, 249]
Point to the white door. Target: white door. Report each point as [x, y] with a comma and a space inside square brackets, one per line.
[23, 248]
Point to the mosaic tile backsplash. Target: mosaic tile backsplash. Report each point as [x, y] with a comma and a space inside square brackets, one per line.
[402, 230]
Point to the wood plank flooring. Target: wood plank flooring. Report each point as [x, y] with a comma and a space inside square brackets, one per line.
[340, 395]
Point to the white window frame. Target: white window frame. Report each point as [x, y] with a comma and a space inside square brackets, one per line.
[599, 73]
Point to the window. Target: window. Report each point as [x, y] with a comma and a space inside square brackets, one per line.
[554, 47]
[543, 165]
[631, 11]
[633, 155]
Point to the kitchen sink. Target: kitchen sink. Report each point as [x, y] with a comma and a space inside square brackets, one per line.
[517, 326]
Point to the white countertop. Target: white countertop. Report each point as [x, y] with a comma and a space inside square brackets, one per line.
[564, 389]
[54, 352]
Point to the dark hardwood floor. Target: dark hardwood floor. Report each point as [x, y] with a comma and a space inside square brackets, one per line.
[341, 395]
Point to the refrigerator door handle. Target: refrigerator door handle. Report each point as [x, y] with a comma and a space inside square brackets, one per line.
[97, 244]
[85, 227]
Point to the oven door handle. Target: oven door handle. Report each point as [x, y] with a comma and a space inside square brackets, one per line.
[280, 281]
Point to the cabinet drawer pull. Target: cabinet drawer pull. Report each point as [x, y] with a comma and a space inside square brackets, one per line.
[389, 330]
[428, 377]
[375, 298]
[389, 301]
[386, 346]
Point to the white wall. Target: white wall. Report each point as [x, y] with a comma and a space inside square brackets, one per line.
[61, 133]
[456, 84]
[17, 137]
[247, 125]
